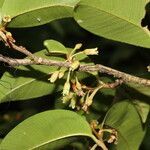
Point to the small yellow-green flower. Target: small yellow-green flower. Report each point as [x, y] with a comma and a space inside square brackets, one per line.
[66, 88]
[92, 51]
[78, 46]
[54, 77]
[73, 103]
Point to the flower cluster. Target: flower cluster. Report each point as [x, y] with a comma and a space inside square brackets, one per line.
[77, 95]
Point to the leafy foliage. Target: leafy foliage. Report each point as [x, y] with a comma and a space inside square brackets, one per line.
[105, 113]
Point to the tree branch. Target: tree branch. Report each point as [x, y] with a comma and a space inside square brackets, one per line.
[118, 74]
[86, 68]
[35, 60]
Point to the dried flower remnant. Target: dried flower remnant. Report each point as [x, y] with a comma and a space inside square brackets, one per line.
[99, 133]
[89, 98]
[113, 137]
[79, 90]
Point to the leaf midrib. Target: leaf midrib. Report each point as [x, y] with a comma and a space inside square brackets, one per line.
[62, 137]
[124, 139]
[16, 88]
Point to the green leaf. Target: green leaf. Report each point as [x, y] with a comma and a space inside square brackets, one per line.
[125, 119]
[45, 128]
[115, 19]
[140, 95]
[143, 109]
[140, 88]
[55, 47]
[36, 12]
[26, 82]
[1, 4]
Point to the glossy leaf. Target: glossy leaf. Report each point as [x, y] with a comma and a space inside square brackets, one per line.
[55, 47]
[125, 119]
[36, 12]
[45, 128]
[115, 19]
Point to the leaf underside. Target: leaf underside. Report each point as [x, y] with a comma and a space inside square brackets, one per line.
[115, 19]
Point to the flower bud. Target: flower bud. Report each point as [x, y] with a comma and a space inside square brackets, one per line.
[61, 74]
[82, 99]
[92, 51]
[73, 103]
[54, 77]
[111, 139]
[89, 101]
[66, 88]
[79, 90]
[78, 85]
[78, 46]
